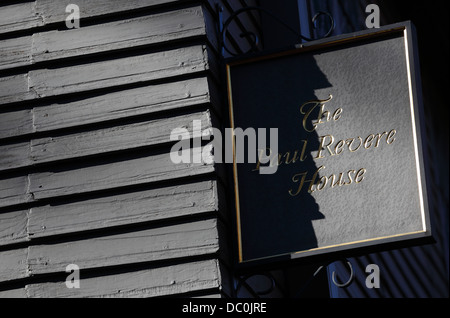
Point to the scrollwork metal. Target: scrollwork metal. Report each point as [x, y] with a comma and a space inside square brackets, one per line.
[254, 39]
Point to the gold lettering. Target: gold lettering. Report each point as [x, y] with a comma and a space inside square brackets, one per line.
[360, 175]
[323, 114]
[334, 180]
[322, 145]
[262, 152]
[276, 160]
[350, 177]
[295, 179]
[337, 114]
[307, 113]
[313, 181]
[303, 180]
[339, 147]
[350, 142]
[390, 138]
[293, 160]
[378, 138]
[322, 183]
[267, 156]
[303, 156]
[338, 182]
[368, 141]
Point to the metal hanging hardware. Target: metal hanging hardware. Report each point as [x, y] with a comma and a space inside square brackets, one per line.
[348, 282]
[254, 39]
[242, 281]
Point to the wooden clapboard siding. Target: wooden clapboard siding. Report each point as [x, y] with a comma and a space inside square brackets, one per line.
[112, 175]
[121, 104]
[109, 211]
[28, 15]
[105, 107]
[121, 209]
[19, 16]
[99, 177]
[85, 77]
[13, 293]
[96, 142]
[15, 89]
[86, 115]
[141, 245]
[14, 190]
[154, 244]
[56, 13]
[113, 139]
[121, 35]
[41, 12]
[15, 52]
[13, 264]
[149, 29]
[16, 123]
[14, 155]
[160, 281]
[13, 227]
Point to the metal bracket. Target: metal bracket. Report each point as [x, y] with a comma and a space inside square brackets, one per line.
[223, 27]
[348, 282]
[242, 281]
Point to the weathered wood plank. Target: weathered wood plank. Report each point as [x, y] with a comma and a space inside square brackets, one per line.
[122, 34]
[15, 155]
[15, 89]
[13, 264]
[161, 243]
[56, 13]
[126, 103]
[113, 175]
[110, 139]
[13, 227]
[13, 293]
[14, 191]
[105, 107]
[50, 82]
[171, 280]
[128, 208]
[19, 17]
[15, 52]
[16, 123]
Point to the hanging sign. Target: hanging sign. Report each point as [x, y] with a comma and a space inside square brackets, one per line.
[347, 169]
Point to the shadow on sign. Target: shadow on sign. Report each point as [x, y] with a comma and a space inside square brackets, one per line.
[276, 211]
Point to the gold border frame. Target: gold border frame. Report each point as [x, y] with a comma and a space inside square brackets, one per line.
[404, 28]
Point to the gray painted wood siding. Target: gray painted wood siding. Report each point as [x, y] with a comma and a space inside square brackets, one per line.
[161, 281]
[106, 140]
[106, 107]
[108, 211]
[85, 169]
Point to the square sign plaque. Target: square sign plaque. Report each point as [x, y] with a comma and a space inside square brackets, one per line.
[347, 171]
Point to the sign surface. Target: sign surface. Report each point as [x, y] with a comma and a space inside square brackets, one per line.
[350, 171]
